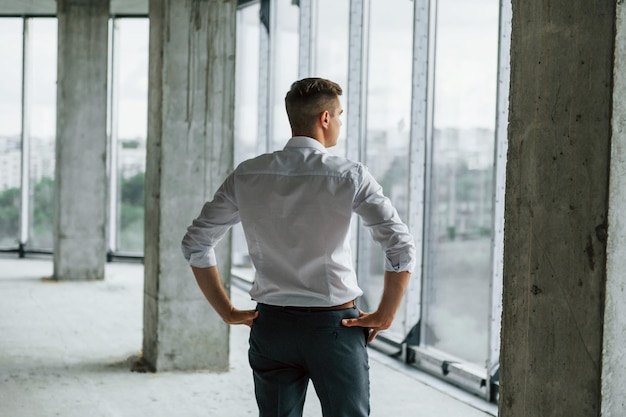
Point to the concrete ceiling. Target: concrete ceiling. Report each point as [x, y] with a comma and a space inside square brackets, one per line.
[49, 7]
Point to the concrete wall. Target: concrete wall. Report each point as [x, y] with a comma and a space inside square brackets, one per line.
[80, 179]
[190, 152]
[556, 207]
[614, 352]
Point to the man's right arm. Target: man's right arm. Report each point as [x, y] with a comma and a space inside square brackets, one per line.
[211, 286]
[214, 221]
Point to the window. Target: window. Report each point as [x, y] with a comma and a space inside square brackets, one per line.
[247, 83]
[129, 132]
[10, 130]
[458, 265]
[284, 66]
[388, 126]
[440, 176]
[41, 108]
[246, 114]
[330, 56]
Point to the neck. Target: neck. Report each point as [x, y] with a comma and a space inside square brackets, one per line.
[318, 136]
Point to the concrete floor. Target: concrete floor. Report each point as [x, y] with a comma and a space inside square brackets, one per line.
[66, 349]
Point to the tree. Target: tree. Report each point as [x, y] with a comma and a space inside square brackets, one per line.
[43, 213]
[9, 216]
[132, 213]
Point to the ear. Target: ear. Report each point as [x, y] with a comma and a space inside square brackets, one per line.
[325, 118]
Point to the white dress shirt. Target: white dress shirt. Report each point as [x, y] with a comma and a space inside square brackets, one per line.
[295, 206]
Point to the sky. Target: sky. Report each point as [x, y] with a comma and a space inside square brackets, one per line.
[132, 82]
[465, 73]
[466, 63]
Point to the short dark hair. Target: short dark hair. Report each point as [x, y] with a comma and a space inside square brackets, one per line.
[308, 98]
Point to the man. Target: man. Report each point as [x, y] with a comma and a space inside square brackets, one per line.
[295, 207]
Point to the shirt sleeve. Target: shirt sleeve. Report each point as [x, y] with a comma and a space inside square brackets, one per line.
[215, 219]
[381, 218]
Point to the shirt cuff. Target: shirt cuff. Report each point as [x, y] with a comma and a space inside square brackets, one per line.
[402, 263]
[203, 259]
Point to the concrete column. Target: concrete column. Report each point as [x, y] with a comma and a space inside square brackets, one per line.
[614, 351]
[556, 207]
[190, 152]
[80, 181]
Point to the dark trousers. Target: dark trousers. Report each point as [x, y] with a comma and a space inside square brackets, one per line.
[287, 348]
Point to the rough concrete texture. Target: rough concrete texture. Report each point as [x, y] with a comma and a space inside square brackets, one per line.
[190, 152]
[556, 207]
[614, 351]
[67, 349]
[80, 179]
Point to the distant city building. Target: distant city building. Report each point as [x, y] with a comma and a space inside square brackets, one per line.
[10, 162]
[41, 161]
[472, 147]
[132, 159]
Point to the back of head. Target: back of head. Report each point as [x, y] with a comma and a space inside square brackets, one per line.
[308, 98]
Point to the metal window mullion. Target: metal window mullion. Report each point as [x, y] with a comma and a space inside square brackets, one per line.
[428, 164]
[263, 122]
[305, 28]
[313, 42]
[271, 84]
[113, 119]
[501, 145]
[357, 71]
[421, 124]
[26, 191]
[355, 130]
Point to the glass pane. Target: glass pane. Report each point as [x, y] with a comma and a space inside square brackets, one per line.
[132, 123]
[458, 247]
[247, 82]
[42, 107]
[246, 114]
[330, 59]
[10, 130]
[284, 66]
[388, 125]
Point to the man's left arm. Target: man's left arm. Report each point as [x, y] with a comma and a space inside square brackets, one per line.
[386, 228]
[393, 292]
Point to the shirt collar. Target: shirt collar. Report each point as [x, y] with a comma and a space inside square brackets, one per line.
[305, 142]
